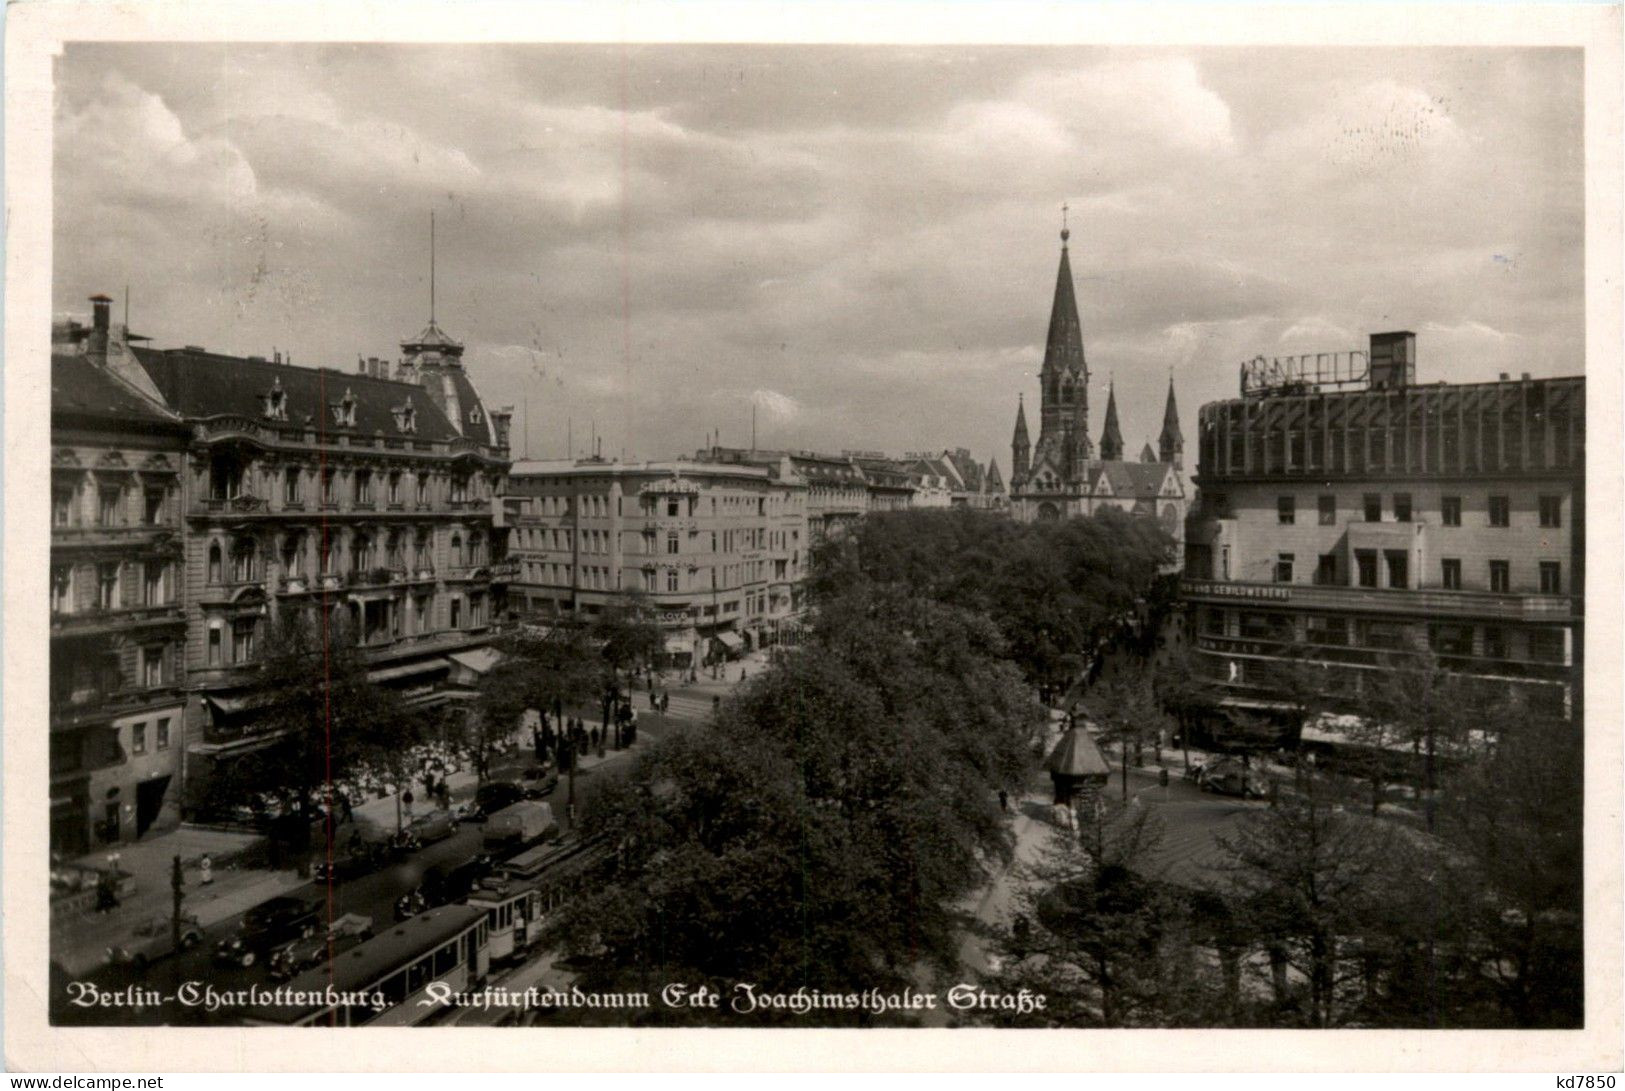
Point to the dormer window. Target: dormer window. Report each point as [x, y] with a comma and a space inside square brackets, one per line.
[474, 416]
[406, 418]
[275, 401]
[344, 410]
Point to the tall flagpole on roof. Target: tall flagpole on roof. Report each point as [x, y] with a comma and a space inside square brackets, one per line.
[431, 267]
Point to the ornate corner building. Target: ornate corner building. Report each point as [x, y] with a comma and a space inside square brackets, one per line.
[245, 487]
[1064, 474]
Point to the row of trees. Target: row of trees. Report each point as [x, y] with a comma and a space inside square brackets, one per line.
[824, 831]
[1313, 914]
[328, 722]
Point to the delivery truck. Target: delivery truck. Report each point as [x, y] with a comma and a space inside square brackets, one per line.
[519, 825]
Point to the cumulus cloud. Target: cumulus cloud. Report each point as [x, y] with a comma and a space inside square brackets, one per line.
[861, 242]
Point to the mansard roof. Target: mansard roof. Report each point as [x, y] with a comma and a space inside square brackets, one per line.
[80, 388]
[206, 384]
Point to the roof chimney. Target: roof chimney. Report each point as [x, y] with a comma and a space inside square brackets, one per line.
[101, 310]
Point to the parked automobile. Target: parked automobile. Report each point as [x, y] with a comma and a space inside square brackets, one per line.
[442, 886]
[267, 926]
[1228, 776]
[355, 859]
[539, 781]
[309, 951]
[436, 825]
[153, 939]
[492, 797]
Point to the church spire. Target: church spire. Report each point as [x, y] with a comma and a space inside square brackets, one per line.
[1020, 445]
[1171, 444]
[1111, 436]
[1063, 348]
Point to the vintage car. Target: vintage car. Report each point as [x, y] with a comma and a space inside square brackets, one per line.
[267, 926]
[436, 825]
[313, 950]
[492, 797]
[539, 781]
[153, 939]
[1228, 776]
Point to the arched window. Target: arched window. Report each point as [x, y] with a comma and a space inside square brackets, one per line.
[457, 549]
[214, 562]
[476, 548]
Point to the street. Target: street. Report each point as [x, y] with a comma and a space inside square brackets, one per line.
[372, 895]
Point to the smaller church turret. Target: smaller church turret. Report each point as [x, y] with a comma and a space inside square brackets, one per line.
[1171, 444]
[1111, 436]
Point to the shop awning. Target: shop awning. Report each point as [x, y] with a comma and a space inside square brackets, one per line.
[407, 670]
[731, 641]
[231, 706]
[478, 660]
[677, 645]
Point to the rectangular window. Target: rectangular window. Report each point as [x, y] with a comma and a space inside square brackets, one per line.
[1402, 507]
[1495, 643]
[242, 640]
[108, 502]
[138, 738]
[363, 486]
[1551, 578]
[671, 542]
[1399, 569]
[152, 666]
[1373, 507]
[62, 498]
[1365, 562]
[327, 486]
[161, 736]
[671, 579]
[290, 485]
[456, 613]
[153, 512]
[1500, 576]
[1450, 511]
[1326, 569]
[1327, 630]
[395, 487]
[1450, 572]
[1265, 627]
[1500, 512]
[422, 489]
[1283, 567]
[107, 586]
[62, 589]
[1551, 511]
[1328, 510]
[1547, 645]
[152, 584]
[214, 646]
[459, 489]
[1451, 639]
[1286, 510]
[1383, 634]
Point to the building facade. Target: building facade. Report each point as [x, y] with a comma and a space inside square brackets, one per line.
[117, 617]
[1348, 514]
[357, 494]
[1064, 474]
[719, 550]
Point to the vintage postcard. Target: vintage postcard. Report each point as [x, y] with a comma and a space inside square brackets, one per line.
[529, 519]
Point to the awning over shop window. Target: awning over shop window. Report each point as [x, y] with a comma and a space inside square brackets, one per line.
[231, 706]
[407, 670]
[478, 660]
[677, 645]
[731, 641]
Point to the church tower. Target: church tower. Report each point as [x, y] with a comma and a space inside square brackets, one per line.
[1064, 378]
[1171, 444]
[1020, 446]
[1111, 436]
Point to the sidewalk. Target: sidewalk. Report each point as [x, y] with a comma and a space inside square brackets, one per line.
[80, 940]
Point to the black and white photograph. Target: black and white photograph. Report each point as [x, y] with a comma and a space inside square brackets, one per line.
[948, 536]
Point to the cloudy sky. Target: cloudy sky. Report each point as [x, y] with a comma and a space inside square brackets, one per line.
[861, 241]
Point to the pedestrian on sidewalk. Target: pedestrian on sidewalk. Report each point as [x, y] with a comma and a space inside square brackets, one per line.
[406, 801]
[205, 870]
[1004, 801]
[665, 702]
[654, 699]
